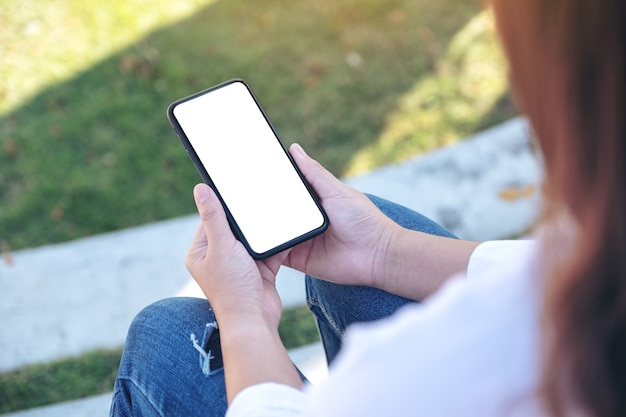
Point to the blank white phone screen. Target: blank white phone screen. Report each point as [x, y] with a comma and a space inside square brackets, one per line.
[248, 167]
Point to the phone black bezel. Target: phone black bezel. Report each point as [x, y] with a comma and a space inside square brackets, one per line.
[207, 179]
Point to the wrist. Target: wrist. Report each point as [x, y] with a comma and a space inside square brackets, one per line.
[244, 330]
[253, 353]
[384, 256]
[418, 263]
[238, 315]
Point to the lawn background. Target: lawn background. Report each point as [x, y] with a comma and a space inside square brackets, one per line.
[85, 146]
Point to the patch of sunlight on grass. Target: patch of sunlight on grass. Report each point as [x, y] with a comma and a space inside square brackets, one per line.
[44, 42]
[447, 105]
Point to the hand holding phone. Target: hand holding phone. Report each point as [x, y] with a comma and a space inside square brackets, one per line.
[238, 153]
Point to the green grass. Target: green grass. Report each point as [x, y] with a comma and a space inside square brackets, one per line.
[84, 143]
[297, 327]
[37, 385]
[94, 372]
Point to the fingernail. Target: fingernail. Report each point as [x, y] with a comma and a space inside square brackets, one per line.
[201, 192]
[299, 149]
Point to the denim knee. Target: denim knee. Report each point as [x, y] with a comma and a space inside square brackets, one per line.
[188, 318]
[171, 358]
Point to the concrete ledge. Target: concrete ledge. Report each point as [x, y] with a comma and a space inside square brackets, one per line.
[483, 188]
[66, 299]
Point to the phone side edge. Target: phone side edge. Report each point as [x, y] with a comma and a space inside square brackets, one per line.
[195, 159]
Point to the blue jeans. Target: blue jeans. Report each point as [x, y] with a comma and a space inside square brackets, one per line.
[172, 363]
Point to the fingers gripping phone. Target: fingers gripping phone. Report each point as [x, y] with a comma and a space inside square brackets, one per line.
[238, 153]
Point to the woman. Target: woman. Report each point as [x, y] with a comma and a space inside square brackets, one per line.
[521, 328]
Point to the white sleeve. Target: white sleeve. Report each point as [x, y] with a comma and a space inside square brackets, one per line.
[495, 253]
[269, 400]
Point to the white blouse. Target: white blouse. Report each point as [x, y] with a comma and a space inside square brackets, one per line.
[471, 349]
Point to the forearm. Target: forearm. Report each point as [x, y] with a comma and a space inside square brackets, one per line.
[416, 264]
[253, 353]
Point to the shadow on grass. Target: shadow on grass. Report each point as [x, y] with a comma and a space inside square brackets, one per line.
[96, 153]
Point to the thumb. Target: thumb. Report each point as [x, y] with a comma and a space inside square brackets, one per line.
[212, 214]
[323, 182]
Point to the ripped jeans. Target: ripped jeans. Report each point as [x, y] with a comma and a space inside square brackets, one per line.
[172, 363]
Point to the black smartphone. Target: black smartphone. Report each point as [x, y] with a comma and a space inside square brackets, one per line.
[238, 153]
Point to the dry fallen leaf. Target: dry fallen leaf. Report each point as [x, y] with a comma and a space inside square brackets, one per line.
[515, 193]
[5, 250]
[57, 213]
[10, 147]
[397, 16]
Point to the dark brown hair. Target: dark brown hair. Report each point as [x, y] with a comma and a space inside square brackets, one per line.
[567, 69]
